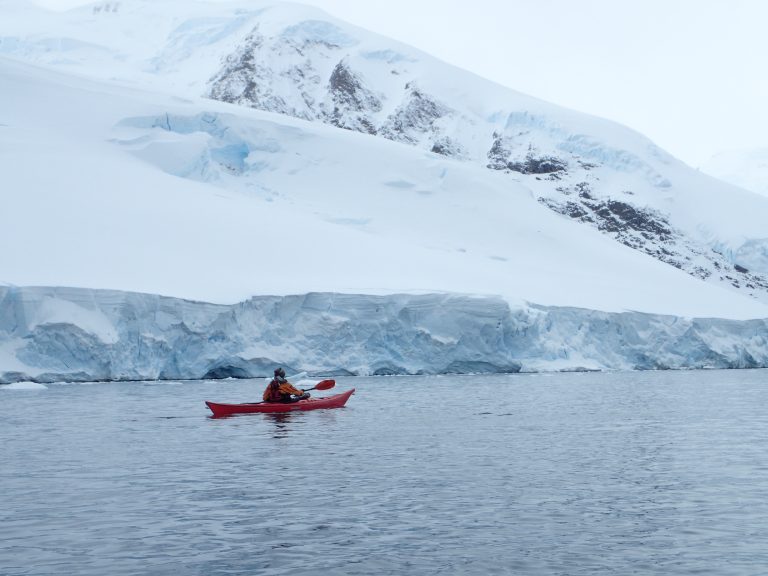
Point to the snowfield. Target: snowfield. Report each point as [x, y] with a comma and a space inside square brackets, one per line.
[128, 190]
[242, 156]
[747, 169]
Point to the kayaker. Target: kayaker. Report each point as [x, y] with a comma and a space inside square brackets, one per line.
[280, 390]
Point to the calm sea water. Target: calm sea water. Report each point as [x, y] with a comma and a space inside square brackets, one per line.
[630, 473]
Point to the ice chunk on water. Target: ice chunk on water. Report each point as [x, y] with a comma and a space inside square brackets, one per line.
[24, 386]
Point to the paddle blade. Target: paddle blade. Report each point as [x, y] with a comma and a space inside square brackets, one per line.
[325, 385]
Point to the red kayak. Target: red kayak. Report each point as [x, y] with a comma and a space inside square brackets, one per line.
[335, 401]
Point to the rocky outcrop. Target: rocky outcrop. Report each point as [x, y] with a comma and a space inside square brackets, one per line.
[247, 78]
[447, 146]
[650, 232]
[344, 99]
[538, 165]
[353, 104]
[499, 153]
[503, 155]
[414, 120]
[243, 80]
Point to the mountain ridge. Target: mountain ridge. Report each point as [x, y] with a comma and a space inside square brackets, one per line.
[295, 60]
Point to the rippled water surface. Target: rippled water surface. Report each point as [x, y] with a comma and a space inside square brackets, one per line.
[639, 473]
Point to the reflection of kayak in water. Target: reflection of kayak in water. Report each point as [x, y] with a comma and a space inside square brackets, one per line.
[335, 401]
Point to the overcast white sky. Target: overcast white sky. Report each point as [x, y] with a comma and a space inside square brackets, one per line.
[689, 74]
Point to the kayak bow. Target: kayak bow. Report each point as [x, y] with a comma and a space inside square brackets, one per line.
[335, 401]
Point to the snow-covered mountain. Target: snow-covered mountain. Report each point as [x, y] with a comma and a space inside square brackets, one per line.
[299, 61]
[219, 152]
[747, 169]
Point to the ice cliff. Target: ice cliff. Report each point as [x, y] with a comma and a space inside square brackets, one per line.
[53, 334]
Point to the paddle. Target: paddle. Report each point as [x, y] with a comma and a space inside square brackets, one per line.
[322, 385]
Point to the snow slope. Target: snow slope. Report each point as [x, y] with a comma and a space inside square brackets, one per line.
[747, 169]
[136, 191]
[301, 62]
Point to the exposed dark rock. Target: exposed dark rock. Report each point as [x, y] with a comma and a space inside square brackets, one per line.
[502, 149]
[415, 117]
[248, 79]
[702, 273]
[575, 210]
[499, 153]
[648, 231]
[616, 216]
[540, 165]
[347, 90]
[236, 82]
[447, 147]
[640, 229]
[584, 190]
[353, 103]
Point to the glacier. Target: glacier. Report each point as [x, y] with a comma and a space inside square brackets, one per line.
[251, 184]
[76, 334]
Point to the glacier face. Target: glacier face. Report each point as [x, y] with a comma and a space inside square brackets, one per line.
[70, 334]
